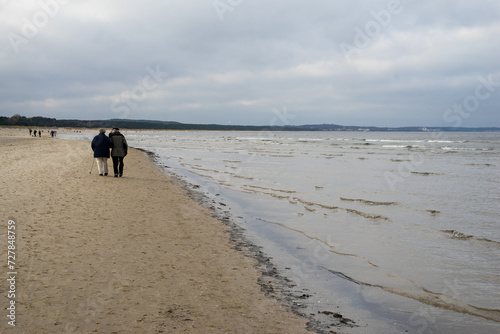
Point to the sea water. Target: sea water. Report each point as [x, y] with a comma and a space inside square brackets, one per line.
[397, 231]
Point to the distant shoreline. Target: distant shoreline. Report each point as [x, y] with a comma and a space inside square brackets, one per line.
[44, 122]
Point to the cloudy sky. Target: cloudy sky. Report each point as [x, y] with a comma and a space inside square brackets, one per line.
[256, 62]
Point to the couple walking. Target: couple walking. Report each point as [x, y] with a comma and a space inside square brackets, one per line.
[101, 145]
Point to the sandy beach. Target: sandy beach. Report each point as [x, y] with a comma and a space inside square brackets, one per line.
[119, 255]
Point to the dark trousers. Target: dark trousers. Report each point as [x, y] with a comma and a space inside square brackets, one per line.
[118, 165]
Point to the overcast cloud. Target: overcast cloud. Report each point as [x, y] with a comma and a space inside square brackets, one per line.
[370, 62]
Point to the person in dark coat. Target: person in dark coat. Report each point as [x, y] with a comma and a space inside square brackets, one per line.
[101, 145]
[119, 150]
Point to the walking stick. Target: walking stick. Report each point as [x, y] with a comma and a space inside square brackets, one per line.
[92, 166]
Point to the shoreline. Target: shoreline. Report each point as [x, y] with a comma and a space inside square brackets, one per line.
[71, 280]
[273, 282]
[182, 160]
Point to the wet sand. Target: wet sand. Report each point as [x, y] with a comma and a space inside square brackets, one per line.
[120, 255]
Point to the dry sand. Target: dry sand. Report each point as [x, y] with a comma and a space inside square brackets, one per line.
[120, 255]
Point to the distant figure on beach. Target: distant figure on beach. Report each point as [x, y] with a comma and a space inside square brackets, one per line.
[30, 132]
[101, 145]
[34, 132]
[39, 133]
[119, 150]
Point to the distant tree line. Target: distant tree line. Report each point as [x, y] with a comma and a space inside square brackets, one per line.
[18, 120]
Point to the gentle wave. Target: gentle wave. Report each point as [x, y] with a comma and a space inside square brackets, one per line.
[425, 173]
[272, 189]
[487, 165]
[331, 247]
[418, 293]
[306, 140]
[254, 138]
[431, 298]
[308, 204]
[404, 146]
[449, 148]
[446, 141]
[364, 201]
[215, 171]
[461, 236]
[353, 211]
[414, 141]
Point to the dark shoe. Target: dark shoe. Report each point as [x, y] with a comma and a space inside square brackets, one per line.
[101, 175]
[121, 175]
[116, 175]
[105, 174]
